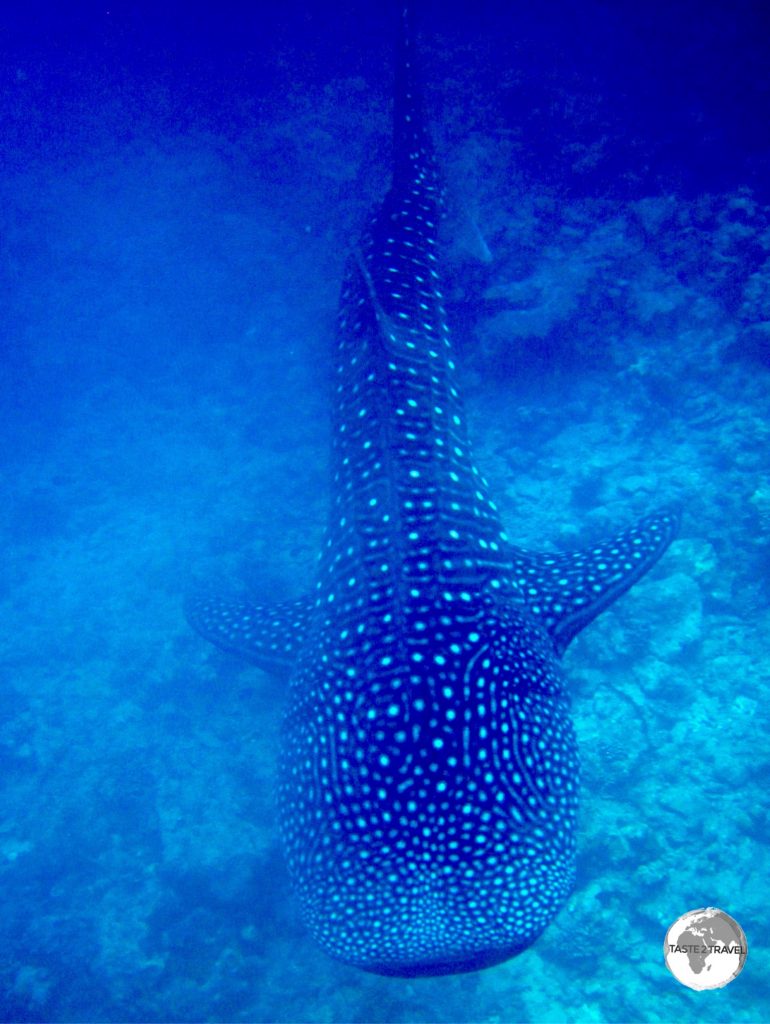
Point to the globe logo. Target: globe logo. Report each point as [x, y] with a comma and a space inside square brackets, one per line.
[705, 949]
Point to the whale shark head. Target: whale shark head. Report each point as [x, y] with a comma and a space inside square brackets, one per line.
[429, 783]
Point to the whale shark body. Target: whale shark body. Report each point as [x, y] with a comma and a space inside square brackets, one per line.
[428, 768]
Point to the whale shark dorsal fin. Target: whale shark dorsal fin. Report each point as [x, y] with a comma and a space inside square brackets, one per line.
[267, 635]
[567, 591]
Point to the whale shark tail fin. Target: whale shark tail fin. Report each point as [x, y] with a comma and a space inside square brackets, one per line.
[413, 149]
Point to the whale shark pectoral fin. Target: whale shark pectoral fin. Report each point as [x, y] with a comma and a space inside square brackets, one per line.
[266, 635]
[567, 591]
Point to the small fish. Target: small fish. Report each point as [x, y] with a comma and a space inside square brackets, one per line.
[428, 767]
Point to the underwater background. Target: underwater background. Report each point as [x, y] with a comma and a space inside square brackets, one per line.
[178, 190]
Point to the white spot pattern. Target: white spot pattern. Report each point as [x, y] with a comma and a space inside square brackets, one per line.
[429, 803]
[428, 776]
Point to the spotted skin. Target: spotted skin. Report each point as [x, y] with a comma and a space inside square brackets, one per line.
[567, 591]
[428, 769]
[268, 635]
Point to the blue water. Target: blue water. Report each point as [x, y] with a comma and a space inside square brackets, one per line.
[178, 192]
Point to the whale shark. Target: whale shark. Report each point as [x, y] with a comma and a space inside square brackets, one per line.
[428, 773]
